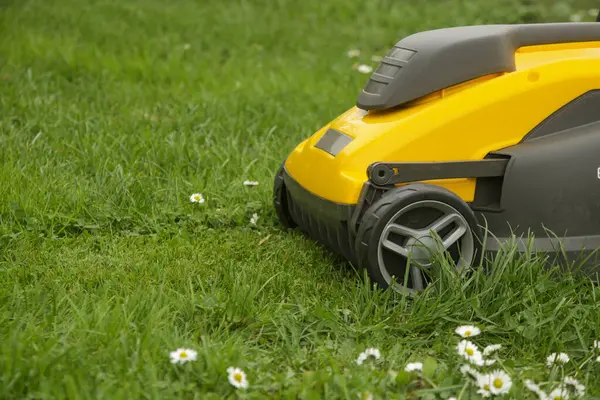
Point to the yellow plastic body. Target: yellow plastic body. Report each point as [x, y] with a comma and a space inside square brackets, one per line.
[464, 122]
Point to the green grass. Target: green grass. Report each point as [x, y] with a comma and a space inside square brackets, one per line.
[108, 122]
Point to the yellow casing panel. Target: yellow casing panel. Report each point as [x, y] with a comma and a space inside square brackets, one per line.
[464, 122]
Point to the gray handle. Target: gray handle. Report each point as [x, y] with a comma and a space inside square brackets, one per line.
[441, 58]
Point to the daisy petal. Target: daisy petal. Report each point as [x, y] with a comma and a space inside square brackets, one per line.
[467, 331]
[365, 69]
[557, 358]
[416, 366]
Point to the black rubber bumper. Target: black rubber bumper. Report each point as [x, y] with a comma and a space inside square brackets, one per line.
[322, 220]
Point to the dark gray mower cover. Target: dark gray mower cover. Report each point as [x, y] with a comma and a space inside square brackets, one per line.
[425, 62]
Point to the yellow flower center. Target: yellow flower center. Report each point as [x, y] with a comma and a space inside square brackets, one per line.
[486, 386]
[467, 333]
[469, 351]
[183, 354]
[498, 383]
[558, 397]
[237, 377]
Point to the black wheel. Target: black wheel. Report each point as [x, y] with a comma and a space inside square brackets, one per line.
[280, 201]
[407, 228]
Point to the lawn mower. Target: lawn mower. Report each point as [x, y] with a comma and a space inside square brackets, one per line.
[461, 140]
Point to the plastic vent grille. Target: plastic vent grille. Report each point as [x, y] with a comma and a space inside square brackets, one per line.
[333, 142]
[375, 87]
[401, 54]
[388, 70]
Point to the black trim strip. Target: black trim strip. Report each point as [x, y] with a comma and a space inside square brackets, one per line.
[382, 173]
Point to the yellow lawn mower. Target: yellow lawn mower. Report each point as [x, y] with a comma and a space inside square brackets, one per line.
[460, 134]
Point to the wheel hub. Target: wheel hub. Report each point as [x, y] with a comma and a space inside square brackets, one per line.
[422, 249]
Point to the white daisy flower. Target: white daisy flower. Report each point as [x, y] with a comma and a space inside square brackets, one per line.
[558, 358]
[237, 377]
[484, 383]
[491, 348]
[353, 53]
[368, 353]
[500, 382]
[181, 356]
[598, 359]
[560, 393]
[365, 69]
[575, 384]
[469, 351]
[254, 219]
[197, 198]
[596, 344]
[416, 366]
[452, 398]
[250, 183]
[480, 361]
[467, 370]
[365, 396]
[531, 385]
[467, 331]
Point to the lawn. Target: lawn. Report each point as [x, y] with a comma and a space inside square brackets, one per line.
[114, 112]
